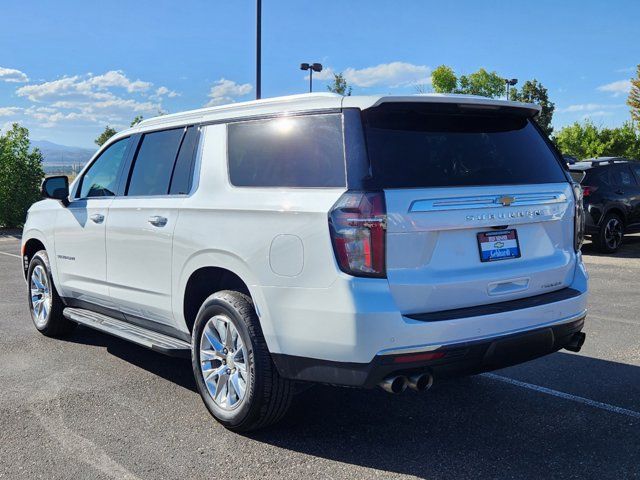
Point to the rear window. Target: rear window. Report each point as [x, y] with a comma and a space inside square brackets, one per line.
[577, 175]
[298, 151]
[420, 146]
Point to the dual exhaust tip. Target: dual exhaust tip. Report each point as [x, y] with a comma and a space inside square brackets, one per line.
[399, 383]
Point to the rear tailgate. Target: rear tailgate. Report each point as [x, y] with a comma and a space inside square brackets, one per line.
[434, 255]
[479, 208]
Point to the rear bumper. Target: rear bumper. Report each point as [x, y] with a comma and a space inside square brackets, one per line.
[459, 359]
[355, 320]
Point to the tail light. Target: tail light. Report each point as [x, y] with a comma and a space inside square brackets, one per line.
[587, 190]
[578, 227]
[357, 223]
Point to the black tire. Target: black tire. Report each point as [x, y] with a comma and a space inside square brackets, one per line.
[267, 395]
[610, 236]
[53, 323]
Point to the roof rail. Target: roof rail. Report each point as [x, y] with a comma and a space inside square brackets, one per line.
[598, 161]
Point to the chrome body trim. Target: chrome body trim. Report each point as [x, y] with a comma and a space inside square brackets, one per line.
[484, 201]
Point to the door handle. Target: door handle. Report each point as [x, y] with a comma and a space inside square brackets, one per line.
[97, 218]
[620, 191]
[158, 221]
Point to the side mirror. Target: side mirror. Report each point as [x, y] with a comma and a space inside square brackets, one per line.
[57, 188]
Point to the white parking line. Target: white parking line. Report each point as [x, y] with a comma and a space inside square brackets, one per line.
[566, 396]
[10, 254]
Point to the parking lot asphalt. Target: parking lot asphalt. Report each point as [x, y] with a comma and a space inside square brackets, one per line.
[93, 406]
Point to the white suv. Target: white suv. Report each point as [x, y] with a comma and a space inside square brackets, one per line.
[354, 241]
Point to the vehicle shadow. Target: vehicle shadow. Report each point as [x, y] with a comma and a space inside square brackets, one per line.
[630, 248]
[477, 427]
[176, 370]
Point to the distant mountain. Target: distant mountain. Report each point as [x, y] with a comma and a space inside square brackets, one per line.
[56, 155]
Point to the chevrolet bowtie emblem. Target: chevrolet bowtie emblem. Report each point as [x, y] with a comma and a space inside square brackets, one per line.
[506, 200]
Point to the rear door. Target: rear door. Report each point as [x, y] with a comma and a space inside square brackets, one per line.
[626, 191]
[635, 168]
[479, 209]
[141, 223]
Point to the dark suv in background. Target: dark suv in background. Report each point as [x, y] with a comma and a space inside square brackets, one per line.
[611, 187]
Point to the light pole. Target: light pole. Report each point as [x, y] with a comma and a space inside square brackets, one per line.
[312, 67]
[258, 49]
[510, 83]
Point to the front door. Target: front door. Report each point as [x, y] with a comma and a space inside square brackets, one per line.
[80, 229]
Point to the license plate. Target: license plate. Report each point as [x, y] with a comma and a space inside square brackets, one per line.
[498, 245]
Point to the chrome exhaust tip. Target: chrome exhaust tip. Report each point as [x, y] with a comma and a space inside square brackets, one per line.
[420, 382]
[394, 384]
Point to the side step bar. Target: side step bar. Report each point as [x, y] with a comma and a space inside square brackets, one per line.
[147, 338]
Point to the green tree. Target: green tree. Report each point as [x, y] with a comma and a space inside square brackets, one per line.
[136, 120]
[533, 91]
[483, 83]
[106, 135]
[21, 175]
[444, 80]
[634, 97]
[586, 140]
[339, 85]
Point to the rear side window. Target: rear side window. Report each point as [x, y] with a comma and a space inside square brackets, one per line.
[299, 151]
[598, 177]
[183, 170]
[154, 163]
[621, 175]
[420, 146]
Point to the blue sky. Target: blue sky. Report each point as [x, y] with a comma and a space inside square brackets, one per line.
[67, 68]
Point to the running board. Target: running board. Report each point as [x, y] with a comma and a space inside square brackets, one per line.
[147, 338]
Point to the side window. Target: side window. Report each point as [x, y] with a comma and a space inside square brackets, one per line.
[636, 170]
[153, 165]
[622, 176]
[183, 170]
[298, 151]
[597, 177]
[101, 178]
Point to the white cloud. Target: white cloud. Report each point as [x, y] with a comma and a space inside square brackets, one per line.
[63, 87]
[616, 88]
[91, 99]
[9, 111]
[116, 78]
[226, 91]
[597, 113]
[589, 107]
[162, 92]
[12, 75]
[91, 87]
[391, 75]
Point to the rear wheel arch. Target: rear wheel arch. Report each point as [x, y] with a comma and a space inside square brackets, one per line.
[619, 211]
[204, 282]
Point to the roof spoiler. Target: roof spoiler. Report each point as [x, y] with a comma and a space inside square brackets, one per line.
[464, 103]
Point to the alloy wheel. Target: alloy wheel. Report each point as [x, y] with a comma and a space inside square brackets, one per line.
[223, 362]
[613, 233]
[40, 295]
